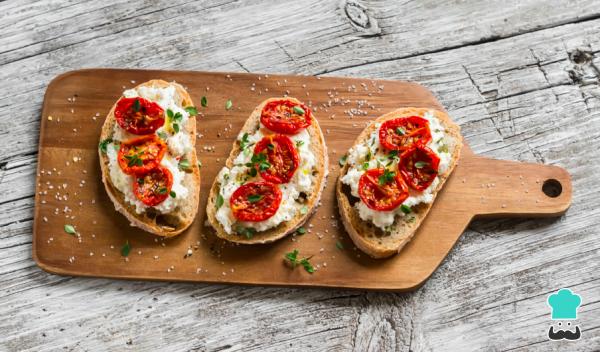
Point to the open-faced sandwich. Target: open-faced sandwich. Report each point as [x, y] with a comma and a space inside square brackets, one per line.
[148, 157]
[274, 176]
[392, 175]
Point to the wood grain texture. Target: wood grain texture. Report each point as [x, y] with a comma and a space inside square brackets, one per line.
[67, 167]
[521, 80]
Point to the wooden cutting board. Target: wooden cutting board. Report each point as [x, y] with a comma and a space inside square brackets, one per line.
[69, 190]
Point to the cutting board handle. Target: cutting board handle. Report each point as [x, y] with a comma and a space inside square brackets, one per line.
[501, 188]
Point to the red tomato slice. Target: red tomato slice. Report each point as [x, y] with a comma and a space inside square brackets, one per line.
[139, 116]
[403, 132]
[139, 155]
[154, 186]
[382, 190]
[255, 201]
[281, 155]
[284, 116]
[419, 167]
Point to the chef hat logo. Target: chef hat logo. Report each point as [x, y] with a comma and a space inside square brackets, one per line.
[564, 304]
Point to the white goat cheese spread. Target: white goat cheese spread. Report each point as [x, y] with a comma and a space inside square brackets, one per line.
[302, 182]
[178, 145]
[357, 158]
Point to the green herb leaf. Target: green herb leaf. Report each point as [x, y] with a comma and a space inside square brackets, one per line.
[248, 232]
[228, 104]
[421, 164]
[204, 102]
[443, 148]
[162, 135]
[400, 131]
[304, 210]
[170, 113]
[253, 198]
[292, 257]
[365, 166]
[126, 249]
[270, 146]
[137, 105]
[301, 230]
[405, 209]
[307, 265]
[339, 245]
[298, 110]
[393, 154]
[70, 229]
[299, 144]
[103, 145]
[245, 142]
[184, 164]
[162, 190]
[140, 181]
[173, 194]
[219, 202]
[177, 117]
[176, 128]
[387, 177]
[191, 110]
[343, 160]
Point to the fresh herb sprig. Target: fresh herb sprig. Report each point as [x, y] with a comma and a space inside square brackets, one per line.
[292, 257]
[386, 177]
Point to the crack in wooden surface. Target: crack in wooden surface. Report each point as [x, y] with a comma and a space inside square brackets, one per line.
[523, 82]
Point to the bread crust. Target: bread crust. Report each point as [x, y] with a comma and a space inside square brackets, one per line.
[317, 146]
[161, 224]
[364, 234]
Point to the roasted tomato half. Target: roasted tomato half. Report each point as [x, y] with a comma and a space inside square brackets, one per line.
[284, 116]
[419, 167]
[139, 116]
[153, 187]
[255, 201]
[139, 155]
[276, 158]
[403, 132]
[381, 189]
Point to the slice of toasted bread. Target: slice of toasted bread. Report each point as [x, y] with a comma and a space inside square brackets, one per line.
[169, 224]
[317, 147]
[371, 239]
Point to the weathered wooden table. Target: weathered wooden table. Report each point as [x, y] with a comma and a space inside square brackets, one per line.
[521, 77]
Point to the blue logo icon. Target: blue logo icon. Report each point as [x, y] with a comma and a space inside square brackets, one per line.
[564, 304]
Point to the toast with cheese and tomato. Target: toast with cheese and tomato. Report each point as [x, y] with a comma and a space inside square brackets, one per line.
[148, 157]
[274, 176]
[392, 174]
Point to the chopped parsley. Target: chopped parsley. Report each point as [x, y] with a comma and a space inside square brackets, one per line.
[298, 110]
[162, 135]
[137, 105]
[219, 202]
[245, 142]
[191, 110]
[162, 190]
[204, 102]
[405, 209]
[253, 198]
[173, 194]
[126, 249]
[421, 164]
[365, 166]
[301, 230]
[70, 229]
[387, 177]
[176, 127]
[103, 145]
[135, 159]
[228, 104]
[258, 160]
[248, 232]
[184, 164]
[299, 144]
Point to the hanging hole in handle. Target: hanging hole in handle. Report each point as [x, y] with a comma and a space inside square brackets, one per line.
[552, 188]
